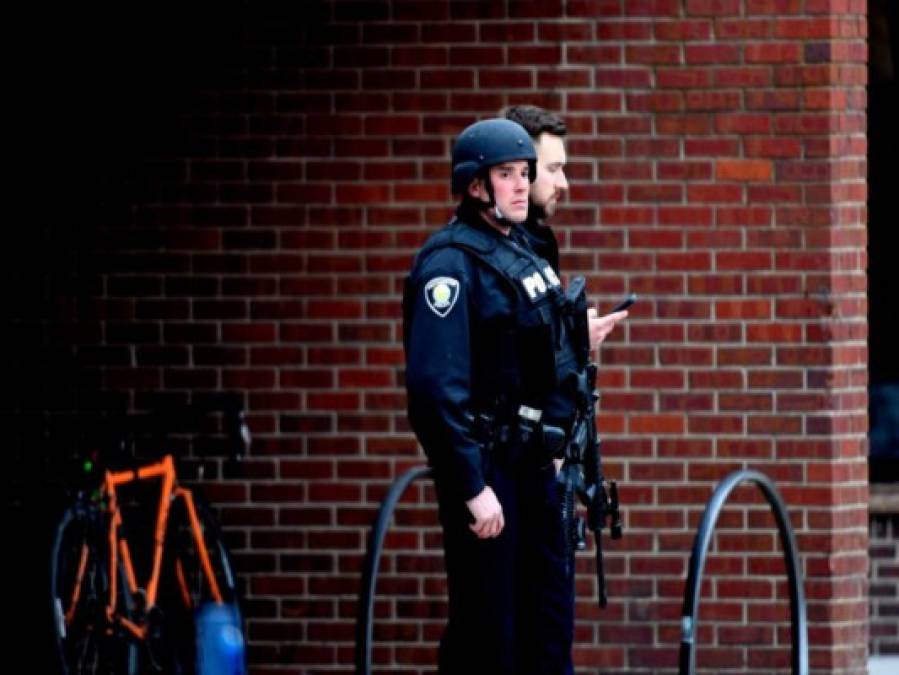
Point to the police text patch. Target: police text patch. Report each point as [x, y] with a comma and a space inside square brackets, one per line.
[441, 294]
[536, 284]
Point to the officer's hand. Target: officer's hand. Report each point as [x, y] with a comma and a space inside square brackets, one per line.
[601, 326]
[488, 514]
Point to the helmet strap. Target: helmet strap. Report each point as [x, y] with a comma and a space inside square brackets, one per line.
[498, 216]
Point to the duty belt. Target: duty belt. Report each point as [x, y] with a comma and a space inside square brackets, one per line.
[552, 438]
[509, 432]
[557, 439]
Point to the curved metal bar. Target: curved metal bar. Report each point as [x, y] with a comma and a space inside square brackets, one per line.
[799, 626]
[365, 616]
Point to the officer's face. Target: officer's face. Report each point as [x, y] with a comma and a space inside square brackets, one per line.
[511, 187]
[551, 184]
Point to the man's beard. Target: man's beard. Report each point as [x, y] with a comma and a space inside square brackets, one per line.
[540, 211]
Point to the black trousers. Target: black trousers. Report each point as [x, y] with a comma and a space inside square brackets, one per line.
[511, 598]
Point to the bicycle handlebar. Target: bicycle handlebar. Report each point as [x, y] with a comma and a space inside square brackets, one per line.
[184, 418]
[119, 438]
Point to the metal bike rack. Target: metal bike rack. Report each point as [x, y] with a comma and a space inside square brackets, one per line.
[365, 616]
[798, 624]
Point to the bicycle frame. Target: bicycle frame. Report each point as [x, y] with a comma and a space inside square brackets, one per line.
[119, 549]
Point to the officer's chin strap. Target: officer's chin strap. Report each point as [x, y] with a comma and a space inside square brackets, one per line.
[500, 218]
[497, 215]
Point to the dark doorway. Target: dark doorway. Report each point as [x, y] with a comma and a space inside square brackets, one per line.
[883, 239]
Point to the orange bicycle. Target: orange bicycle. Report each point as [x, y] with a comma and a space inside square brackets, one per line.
[105, 620]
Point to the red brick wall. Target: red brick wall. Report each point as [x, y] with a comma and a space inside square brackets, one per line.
[253, 233]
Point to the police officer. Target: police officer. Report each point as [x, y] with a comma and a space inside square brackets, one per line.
[491, 344]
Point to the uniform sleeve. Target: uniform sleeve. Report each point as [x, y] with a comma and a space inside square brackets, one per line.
[438, 370]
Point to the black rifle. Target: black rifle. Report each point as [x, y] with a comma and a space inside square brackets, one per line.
[601, 505]
[582, 469]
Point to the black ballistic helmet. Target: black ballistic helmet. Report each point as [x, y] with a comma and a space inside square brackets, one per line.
[488, 143]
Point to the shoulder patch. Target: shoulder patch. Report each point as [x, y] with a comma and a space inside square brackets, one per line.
[441, 294]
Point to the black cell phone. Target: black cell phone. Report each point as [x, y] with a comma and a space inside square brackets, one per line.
[624, 304]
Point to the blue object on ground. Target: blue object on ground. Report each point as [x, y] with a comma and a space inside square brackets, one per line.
[220, 644]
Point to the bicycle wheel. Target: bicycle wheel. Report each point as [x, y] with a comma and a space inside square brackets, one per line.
[190, 585]
[79, 586]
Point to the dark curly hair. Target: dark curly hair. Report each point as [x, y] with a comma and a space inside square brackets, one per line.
[536, 120]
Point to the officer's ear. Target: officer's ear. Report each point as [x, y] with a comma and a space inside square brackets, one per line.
[477, 189]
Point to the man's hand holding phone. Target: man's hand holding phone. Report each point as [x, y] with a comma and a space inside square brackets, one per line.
[601, 326]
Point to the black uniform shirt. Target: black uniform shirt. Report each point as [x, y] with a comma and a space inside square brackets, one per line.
[456, 313]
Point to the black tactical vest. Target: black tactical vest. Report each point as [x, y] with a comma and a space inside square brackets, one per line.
[542, 345]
